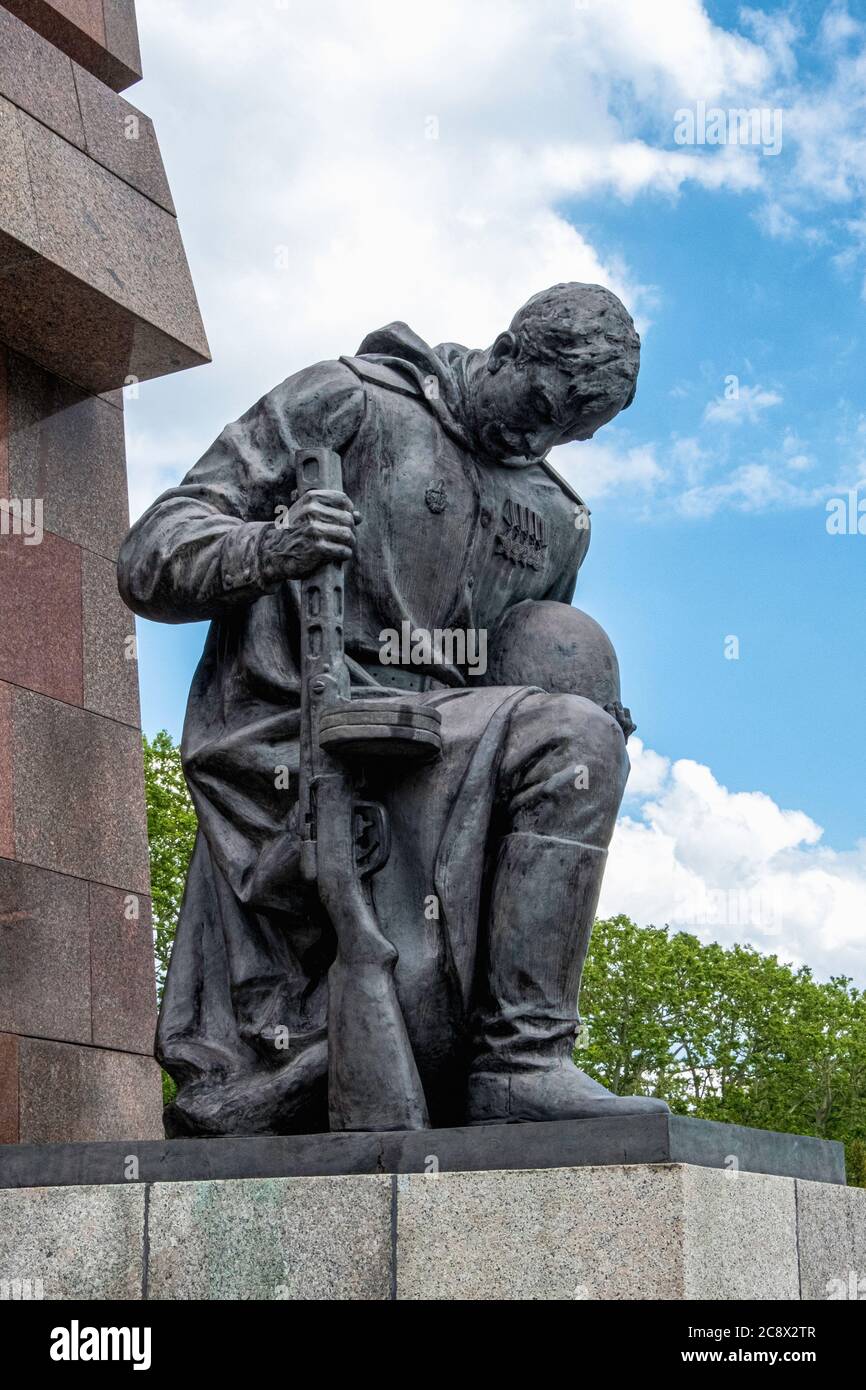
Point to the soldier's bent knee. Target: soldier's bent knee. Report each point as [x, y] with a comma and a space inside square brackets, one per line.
[587, 733]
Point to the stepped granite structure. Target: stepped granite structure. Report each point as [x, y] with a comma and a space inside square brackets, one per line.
[95, 295]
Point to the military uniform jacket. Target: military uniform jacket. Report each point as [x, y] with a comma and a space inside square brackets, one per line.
[447, 540]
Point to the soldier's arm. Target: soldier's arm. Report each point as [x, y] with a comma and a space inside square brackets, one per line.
[212, 541]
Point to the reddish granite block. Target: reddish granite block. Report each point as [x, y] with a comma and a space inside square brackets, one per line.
[122, 968]
[86, 15]
[101, 35]
[71, 1094]
[68, 448]
[110, 667]
[7, 819]
[122, 139]
[121, 32]
[75, 331]
[94, 283]
[38, 77]
[40, 616]
[19, 233]
[78, 793]
[44, 954]
[140, 262]
[4, 428]
[8, 1089]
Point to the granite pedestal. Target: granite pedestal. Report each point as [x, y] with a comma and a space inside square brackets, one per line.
[583, 1210]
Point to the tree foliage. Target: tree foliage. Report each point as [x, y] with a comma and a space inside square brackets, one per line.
[723, 1033]
[171, 830]
[726, 1033]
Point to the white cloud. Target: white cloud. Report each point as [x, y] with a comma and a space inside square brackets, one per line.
[734, 867]
[635, 167]
[308, 128]
[749, 403]
[691, 458]
[825, 126]
[753, 487]
[303, 132]
[598, 468]
[649, 770]
[837, 27]
[670, 51]
[796, 457]
[155, 462]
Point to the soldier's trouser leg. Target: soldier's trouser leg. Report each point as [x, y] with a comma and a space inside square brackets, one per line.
[562, 780]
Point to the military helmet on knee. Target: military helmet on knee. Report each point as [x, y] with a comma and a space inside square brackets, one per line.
[559, 648]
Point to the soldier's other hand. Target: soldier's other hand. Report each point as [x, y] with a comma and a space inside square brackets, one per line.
[317, 529]
[622, 717]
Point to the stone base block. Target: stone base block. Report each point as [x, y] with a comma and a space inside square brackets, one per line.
[622, 1140]
[80, 1093]
[618, 1232]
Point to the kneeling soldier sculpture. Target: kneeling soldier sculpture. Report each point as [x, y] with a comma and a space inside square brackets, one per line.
[398, 865]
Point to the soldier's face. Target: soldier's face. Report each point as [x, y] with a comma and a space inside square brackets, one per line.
[526, 411]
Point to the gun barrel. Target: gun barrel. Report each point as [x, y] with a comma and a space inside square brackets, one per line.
[324, 674]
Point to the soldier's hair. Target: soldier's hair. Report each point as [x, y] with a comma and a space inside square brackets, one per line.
[588, 332]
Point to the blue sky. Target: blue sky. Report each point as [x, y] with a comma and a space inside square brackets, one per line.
[785, 716]
[553, 157]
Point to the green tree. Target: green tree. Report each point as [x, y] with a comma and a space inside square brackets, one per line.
[171, 831]
[726, 1034]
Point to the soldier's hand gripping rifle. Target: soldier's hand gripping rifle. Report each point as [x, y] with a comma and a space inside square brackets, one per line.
[373, 1081]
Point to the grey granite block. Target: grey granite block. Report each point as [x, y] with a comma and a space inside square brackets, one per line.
[621, 1233]
[832, 1241]
[272, 1238]
[110, 667]
[4, 426]
[74, 1242]
[740, 1235]
[562, 1234]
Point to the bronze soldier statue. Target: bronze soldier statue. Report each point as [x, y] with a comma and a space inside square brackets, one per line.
[481, 860]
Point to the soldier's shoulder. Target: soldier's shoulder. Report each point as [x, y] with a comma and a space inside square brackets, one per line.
[321, 380]
[380, 374]
[323, 401]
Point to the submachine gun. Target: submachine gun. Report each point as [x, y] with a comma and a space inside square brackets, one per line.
[373, 1081]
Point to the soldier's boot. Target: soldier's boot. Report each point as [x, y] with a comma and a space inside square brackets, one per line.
[544, 898]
